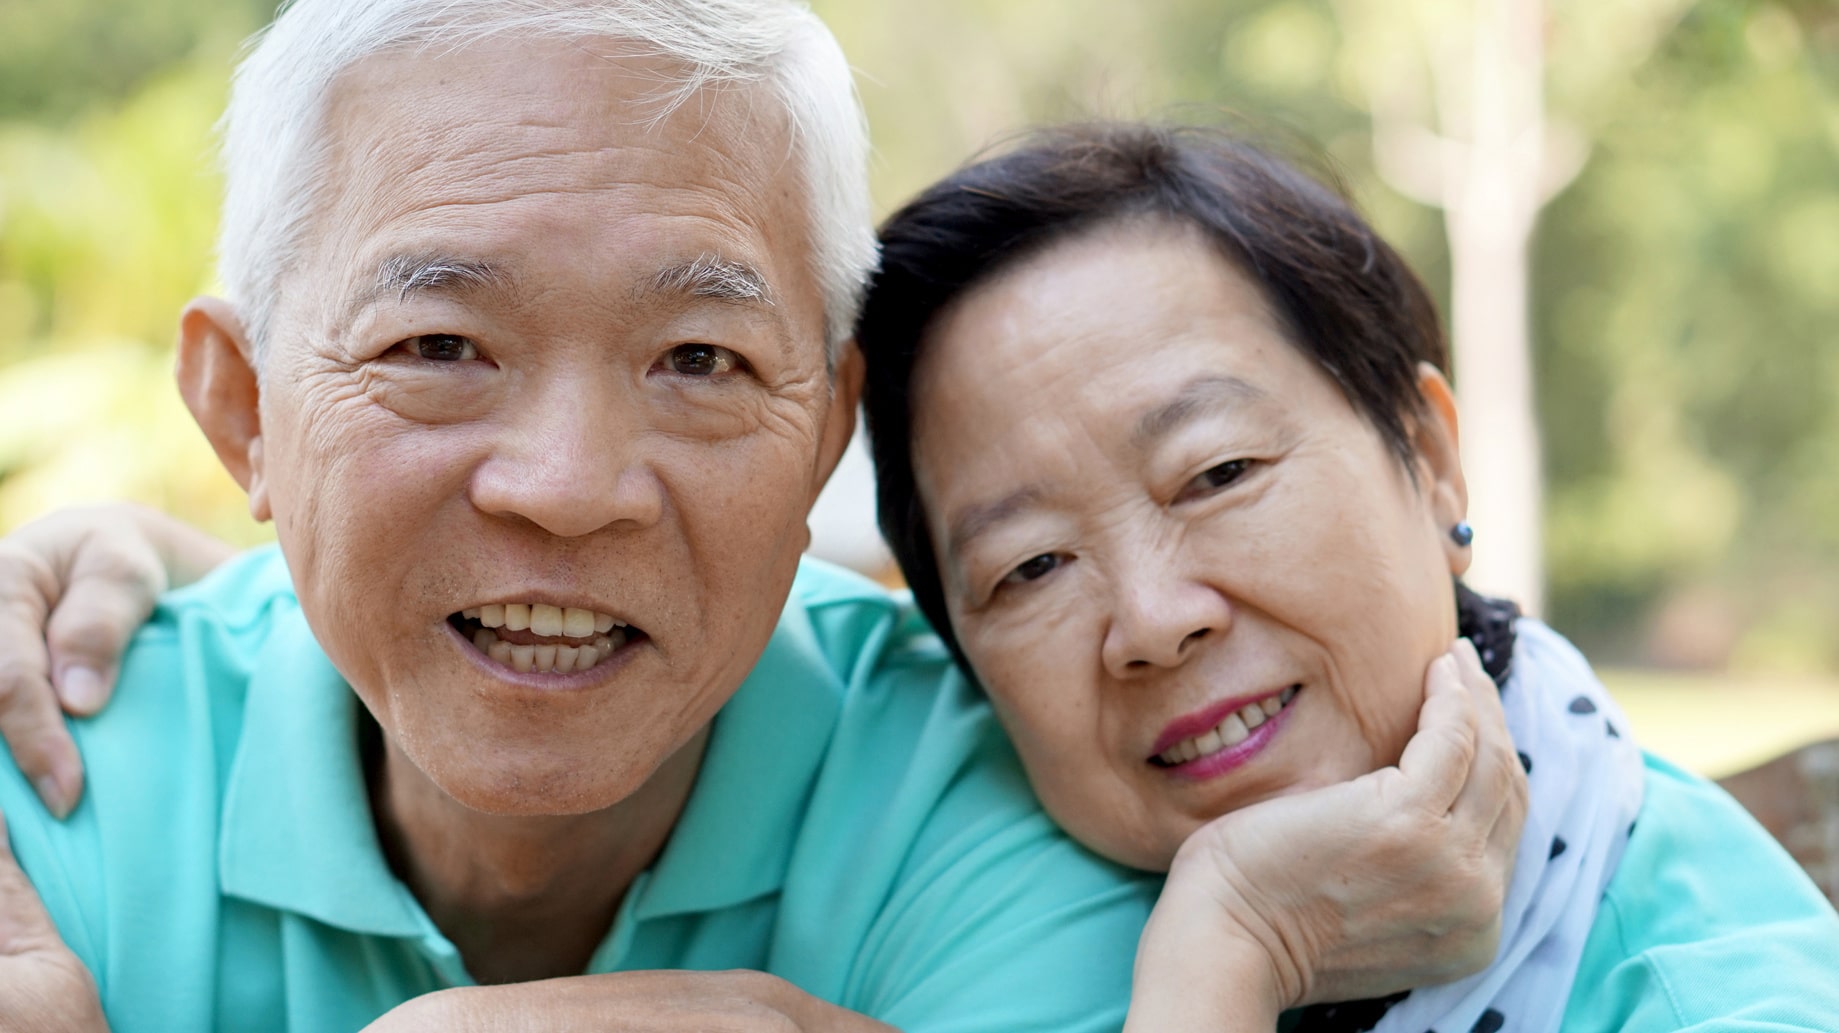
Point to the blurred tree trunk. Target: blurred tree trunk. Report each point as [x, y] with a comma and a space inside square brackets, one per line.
[1489, 214]
[1464, 130]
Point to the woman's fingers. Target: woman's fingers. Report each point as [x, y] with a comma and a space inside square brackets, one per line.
[111, 586]
[43, 986]
[74, 586]
[1496, 786]
[1437, 760]
[29, 717]
[25, 927]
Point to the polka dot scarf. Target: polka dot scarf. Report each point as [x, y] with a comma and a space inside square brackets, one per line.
[1585, 776]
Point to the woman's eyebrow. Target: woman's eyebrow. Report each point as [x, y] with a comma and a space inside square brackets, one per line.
[1196, 397]
[975, 520]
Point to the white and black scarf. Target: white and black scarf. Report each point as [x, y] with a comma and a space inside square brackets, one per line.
[1585, 776]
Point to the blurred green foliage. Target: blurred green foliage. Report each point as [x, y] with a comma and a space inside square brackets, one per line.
[1686, 283]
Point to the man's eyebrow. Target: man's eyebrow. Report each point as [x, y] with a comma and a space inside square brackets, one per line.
[1196, 397]
[405, 276]
[712, 276]
[980, 518]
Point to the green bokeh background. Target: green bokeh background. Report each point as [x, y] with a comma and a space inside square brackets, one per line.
[1685, 294]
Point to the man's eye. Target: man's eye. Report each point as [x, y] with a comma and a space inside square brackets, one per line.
[443, 347]
[1222, 475]
[700, 360]
[1034, 569]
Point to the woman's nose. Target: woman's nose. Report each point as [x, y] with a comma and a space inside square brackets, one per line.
[572, 468]
[1159, 617]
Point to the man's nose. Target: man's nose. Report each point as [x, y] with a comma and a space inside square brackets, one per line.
[1159, 614]
[572, 468]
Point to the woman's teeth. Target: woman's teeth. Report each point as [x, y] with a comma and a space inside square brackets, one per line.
[592, 637]
[1230, 732]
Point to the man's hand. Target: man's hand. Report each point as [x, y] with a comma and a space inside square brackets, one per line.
[44, 988]
[1392, 880]
[73, 588]
[629, 1002]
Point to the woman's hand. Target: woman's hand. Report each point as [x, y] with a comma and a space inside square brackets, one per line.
[73, 588]
[44, 988]
[1392, 880]
[630, 1002]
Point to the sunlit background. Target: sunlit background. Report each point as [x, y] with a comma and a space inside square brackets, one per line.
[1684, 271]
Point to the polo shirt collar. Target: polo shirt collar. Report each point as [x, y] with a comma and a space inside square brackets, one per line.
[734, 841]
[297, 832]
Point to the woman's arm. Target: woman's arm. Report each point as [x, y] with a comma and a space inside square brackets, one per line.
[44, 987]
[651, 1002]
[1393, 880]
[74, 586]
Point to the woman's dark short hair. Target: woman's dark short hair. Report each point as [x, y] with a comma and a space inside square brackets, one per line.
[1347, 299]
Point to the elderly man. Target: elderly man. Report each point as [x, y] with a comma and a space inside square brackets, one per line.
[535, 354]
[525, 356]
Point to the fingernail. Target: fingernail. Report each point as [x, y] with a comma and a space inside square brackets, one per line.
[81, 688]
[53, 794]
[1471, 654]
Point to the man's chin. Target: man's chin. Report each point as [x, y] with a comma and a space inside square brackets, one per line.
[531, 782]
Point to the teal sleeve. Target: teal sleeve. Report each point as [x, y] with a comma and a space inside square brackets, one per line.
[1005, 925]
[1708, 926]
[62, 861]
[930, 890]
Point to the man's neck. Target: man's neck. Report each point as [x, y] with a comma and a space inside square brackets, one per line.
[524, 898]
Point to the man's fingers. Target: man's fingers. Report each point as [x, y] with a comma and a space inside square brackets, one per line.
[1436, 761]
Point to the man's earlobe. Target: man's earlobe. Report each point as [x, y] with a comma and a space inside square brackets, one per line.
[840, 420]
[217, 378]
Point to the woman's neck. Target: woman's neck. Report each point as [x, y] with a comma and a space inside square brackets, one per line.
[523, 897]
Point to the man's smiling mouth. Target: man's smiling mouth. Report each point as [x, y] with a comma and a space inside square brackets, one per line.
[536, 638]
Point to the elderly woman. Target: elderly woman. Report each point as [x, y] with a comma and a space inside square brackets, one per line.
[1166, 450]
[1168, 456]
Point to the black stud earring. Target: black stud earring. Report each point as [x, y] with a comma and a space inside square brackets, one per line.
[1462, 534]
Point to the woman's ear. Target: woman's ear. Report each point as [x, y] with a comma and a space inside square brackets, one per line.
[1437, 444]
[217, 378]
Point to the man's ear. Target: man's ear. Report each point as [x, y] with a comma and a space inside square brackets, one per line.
[840, 421]
[217, 378]
[1437, 444]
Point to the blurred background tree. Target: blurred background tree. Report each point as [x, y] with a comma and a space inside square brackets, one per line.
[1684, 280]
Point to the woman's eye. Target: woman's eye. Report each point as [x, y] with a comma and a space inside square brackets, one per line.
[443, 347]
[1222, 475]
[700, 360]
[1034, 569]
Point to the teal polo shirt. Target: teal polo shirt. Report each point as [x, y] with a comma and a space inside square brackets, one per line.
[860, 826]
[1707, 926]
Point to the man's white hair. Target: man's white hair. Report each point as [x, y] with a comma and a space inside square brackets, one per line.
[275, 132]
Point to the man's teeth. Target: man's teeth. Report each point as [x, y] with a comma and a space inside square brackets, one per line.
[549, 658]
[1230, 732]
[542, 619]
